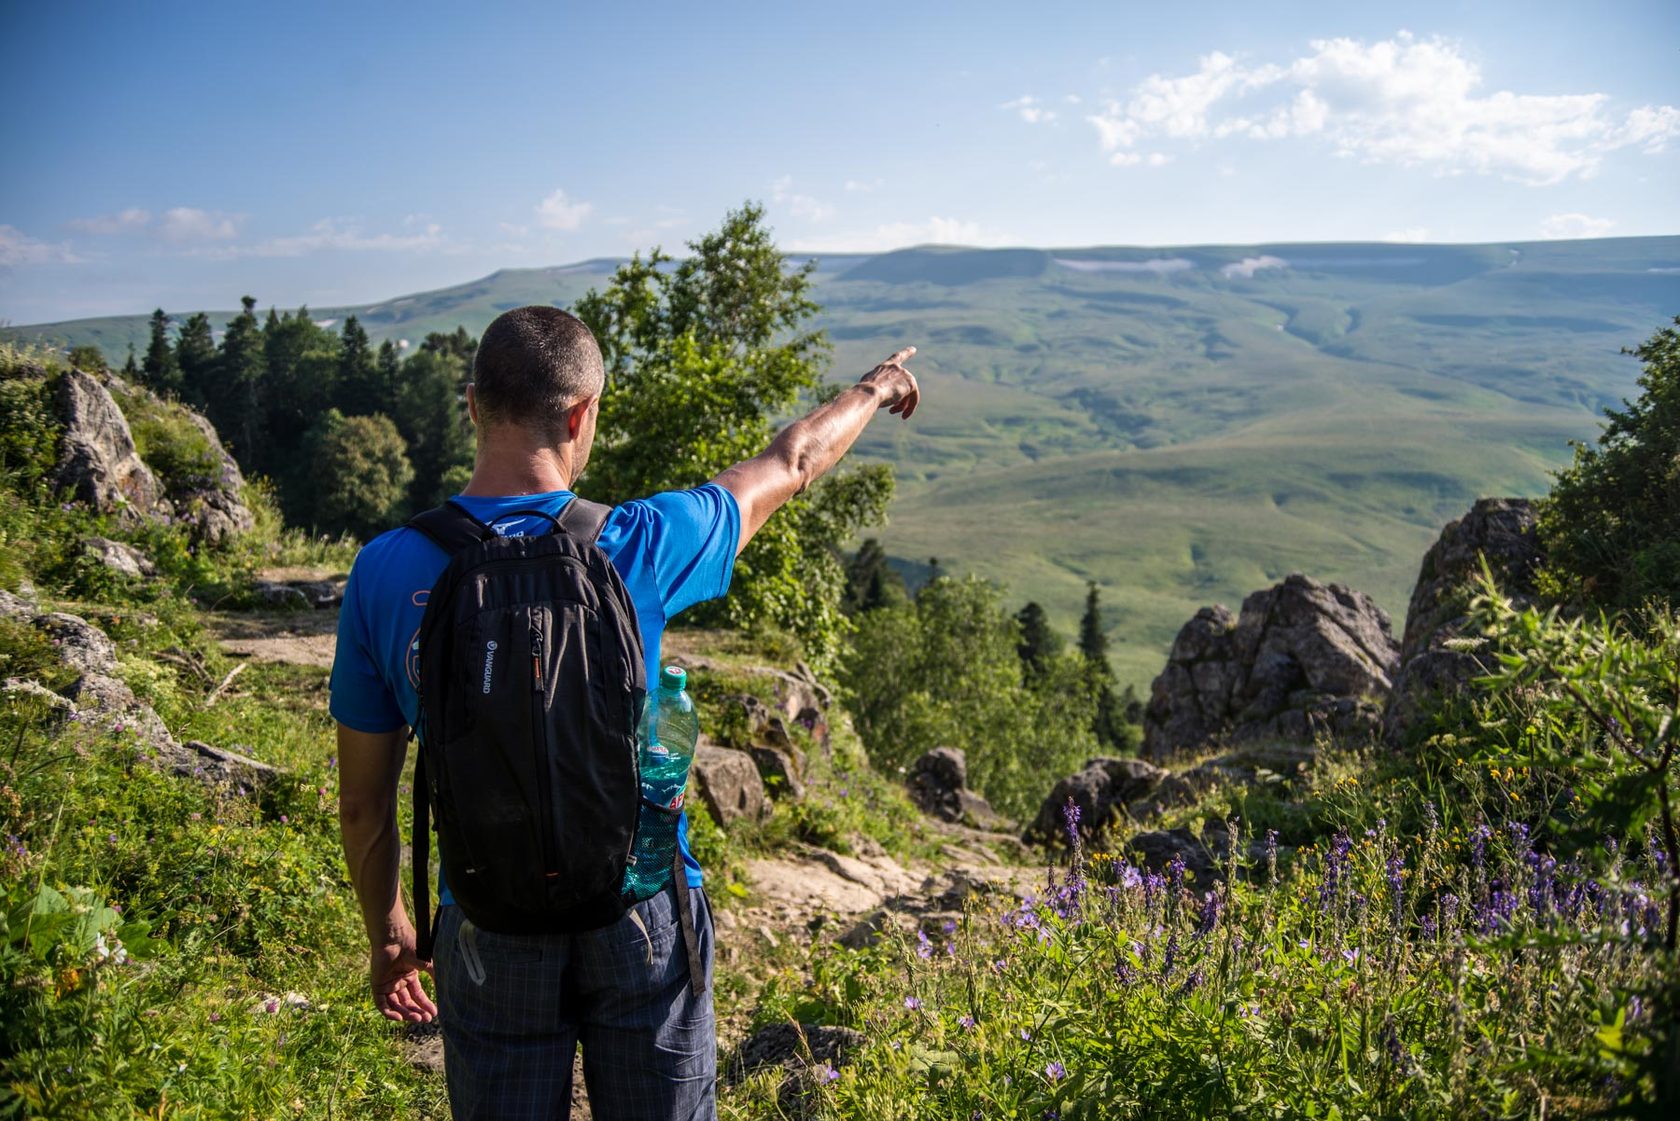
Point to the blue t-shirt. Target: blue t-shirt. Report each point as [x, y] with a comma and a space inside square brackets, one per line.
[673, 550]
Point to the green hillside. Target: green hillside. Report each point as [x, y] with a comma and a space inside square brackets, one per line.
[1187, 425]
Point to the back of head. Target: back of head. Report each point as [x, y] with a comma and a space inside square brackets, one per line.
[533, 364]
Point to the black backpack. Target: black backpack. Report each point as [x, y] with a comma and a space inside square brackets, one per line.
[531, 681]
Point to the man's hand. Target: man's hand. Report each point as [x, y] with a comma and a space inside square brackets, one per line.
[898, 386]
[394, 975]
[803, 452]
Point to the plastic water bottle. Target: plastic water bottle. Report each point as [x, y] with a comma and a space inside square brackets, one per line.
[666, 737]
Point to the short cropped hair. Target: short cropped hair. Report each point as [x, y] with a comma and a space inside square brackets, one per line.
[533, 363]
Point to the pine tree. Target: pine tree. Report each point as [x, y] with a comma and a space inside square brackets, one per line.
[870, 581]
[195, 357]
[131, 369]
[1109, 724]
[387, 375]
[236, 390]
[1039, 641]
[358, 389]
[161, 371]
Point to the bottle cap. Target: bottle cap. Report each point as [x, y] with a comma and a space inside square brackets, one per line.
[673, 679]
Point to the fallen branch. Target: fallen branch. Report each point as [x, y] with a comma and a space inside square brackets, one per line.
[226, 681]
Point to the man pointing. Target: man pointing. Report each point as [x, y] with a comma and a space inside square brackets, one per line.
[515, 1006]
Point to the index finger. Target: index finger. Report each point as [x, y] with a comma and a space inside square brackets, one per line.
[901, 357]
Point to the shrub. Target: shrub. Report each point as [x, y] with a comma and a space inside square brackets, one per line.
[1611, 525]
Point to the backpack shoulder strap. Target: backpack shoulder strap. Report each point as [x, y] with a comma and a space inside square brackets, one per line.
[450, 527]
[583, 519]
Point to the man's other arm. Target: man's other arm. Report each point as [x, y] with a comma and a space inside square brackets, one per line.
[805, 450]
[370, 766]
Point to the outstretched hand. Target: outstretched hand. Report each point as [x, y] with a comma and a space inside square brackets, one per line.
[899, 391]
[394, 975]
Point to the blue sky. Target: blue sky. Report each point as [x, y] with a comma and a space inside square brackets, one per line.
[183, 155]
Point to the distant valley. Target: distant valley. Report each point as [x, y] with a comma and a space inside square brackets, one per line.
[1186, 425]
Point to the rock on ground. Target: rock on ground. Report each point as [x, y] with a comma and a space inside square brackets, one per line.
[728, 782]
[120, 558]
[938, 785]
[1300, 659]
[1101, 792]
[1503, 531]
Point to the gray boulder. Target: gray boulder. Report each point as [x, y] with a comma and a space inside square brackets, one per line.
[120, 558]
[1302, 658]
[938, 785]
[728, 782]
[280, 597]
[98, 463]
[81, 645]
[1502, 530]
[1102, 791]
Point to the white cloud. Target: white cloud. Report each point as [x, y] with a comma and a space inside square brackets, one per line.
[1248, 266]
[1575, 225]
[557, 212]
[1406, 101]
[1411, 235]
[865, 186]
[1160, 266]
[1140, 159]
[189, 223]
[335, 234]
[513, 230]
[800, 206]
[133, 218]
[18, 248]
[1030, 109]
[901, 235]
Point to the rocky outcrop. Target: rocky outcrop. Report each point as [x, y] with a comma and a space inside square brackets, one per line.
[98, 463]
[1502, 530]
[938, 786]
[1301, 659]
[215, 506]
[728, 782]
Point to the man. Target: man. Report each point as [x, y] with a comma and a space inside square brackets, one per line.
[515, 1007]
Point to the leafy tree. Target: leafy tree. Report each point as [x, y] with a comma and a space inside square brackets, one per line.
[161, 370]
[235, 392]
[1040, 644]
[87, 358]
[699, 358]
[944, 671]
[359, 473]
[195, 356]
[431, 414]
[870, 581]
[1611, 525]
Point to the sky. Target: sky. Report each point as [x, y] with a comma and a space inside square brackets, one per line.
[183, 155]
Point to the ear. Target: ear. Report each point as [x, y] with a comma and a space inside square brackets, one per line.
[578, 414]
[472, 404]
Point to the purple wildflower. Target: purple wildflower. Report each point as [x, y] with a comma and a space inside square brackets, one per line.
[1124, 973]
[966, 1021]
[1478, 845]
[924, 948]
[828, 1074]
[1213, 905]
[912, 1003]
[1396, 886]
[1055, 1071]
[1070, 822]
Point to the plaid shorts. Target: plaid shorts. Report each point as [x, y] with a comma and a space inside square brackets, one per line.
[515, 1007]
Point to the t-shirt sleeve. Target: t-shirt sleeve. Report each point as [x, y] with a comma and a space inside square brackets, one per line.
[360, 698]
[690, 537]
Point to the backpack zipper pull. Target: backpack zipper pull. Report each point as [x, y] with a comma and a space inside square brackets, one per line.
[536, 660]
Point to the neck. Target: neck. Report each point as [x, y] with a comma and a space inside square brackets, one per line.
[520, 469]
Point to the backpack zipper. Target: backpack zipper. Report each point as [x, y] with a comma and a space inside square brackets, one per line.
[539, 727]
